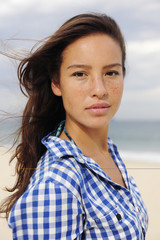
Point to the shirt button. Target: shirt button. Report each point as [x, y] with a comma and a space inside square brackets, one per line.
[118, 216]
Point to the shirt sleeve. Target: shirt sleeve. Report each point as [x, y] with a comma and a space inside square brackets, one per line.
[48, 211]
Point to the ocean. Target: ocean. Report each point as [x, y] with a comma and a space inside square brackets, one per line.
[136, 140]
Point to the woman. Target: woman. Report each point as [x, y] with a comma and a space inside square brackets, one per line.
[73, 184]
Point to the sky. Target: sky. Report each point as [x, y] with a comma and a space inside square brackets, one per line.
[22, 22]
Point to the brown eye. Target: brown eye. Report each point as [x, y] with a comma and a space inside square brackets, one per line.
[112, 73]
[79, 74]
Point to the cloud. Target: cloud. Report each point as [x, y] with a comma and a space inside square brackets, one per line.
[11, 101]
[140, 104]
[11, 7]
[38, 6]
[143, 59]
[148, 95]
[135, 17]
[144, 47]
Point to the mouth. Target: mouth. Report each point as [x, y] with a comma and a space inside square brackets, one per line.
[98, 106]
[98, 109]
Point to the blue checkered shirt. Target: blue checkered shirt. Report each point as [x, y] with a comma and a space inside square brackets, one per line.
[71, 197]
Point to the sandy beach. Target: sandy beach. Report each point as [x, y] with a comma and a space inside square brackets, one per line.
[147, 176]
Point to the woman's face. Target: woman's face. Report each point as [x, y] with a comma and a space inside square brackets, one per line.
[91, 81]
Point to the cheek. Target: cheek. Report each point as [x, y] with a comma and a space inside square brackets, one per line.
[72, 96]
[117, 90]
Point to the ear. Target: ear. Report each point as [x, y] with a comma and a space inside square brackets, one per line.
[56, 89]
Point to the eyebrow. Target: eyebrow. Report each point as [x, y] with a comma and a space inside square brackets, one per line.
[89, 67]
[78, 66]
[113, 65]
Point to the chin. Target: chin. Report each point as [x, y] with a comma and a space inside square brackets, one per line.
[99, 124]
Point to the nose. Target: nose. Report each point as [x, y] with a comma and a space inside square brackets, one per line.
[98, 87]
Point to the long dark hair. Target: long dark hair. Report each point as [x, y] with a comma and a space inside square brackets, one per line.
[44, 110]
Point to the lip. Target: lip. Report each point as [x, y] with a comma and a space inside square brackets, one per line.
[98, 106]
[98, 109]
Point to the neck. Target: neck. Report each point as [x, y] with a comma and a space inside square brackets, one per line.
[93, 143]
[89, 140]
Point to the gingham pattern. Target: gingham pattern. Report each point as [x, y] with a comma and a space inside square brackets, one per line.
[71, 197]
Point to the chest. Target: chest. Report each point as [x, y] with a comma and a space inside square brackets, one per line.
[111, 169]
[109, 210]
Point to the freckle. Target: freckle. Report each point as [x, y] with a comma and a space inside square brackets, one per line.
[115, 89]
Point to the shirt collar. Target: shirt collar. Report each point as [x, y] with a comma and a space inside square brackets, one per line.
[60, 148]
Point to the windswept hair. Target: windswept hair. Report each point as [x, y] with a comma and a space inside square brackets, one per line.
[44, 110]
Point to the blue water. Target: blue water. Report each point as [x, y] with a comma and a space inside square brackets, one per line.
[139, 139]
[135, 139]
